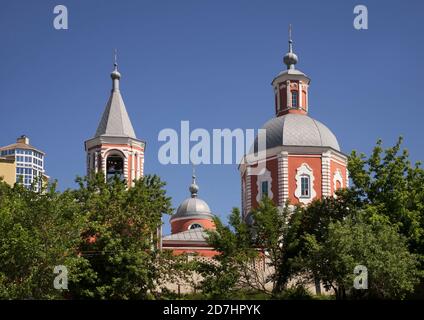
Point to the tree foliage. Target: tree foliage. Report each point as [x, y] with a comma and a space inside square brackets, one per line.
[118, 250]
[357, 241]
[378, 222]
[103, 232]
[38, 231]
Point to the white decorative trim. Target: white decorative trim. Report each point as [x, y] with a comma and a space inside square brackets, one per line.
[243, 197]
[299, 103]
[283, 180]
[347, 178]
[325, 168]
[115, 151]
[191, 224]
[277, 94]
[248, 191]
[305, 169]
[288, 93]
[265, 177]
[133, 177]
[337, 177]
[96, 161]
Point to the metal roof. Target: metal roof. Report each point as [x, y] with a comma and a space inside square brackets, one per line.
[115, 120]
[193, 208]
[20, 145]
[298, 130]
[197, 234]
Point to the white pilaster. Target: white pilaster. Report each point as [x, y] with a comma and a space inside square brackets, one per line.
[347, 178]
[300, 95]
[137, 165]
[277, 94]
[283, 180]
[325, 171]
[132, 167]
[288, 92]
[248, 191]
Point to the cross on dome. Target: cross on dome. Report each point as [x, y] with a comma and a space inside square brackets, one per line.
[290, 59]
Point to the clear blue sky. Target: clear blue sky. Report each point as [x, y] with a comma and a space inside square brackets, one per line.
[210, 62]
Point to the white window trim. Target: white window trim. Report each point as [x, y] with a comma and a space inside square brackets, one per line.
[337, 177]
[304, 169]
[189, 227]
[266, 176]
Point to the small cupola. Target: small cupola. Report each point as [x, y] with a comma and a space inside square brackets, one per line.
[291, 86]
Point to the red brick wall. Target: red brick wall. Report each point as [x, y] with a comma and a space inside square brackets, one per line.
[182, 225]
[272, 166]
[203, 252]
[333, 168]
[314, 162]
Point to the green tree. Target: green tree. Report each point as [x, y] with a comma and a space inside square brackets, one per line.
[389, 182]
[38, 231]
[119, 256]
[270, 241]
[223, 278]
[391, 188]
[357, 240]
[275, 232]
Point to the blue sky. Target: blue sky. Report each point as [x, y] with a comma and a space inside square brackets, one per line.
[210, 62]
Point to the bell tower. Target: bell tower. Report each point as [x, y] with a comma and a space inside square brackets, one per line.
[115, 149]
[291, 86]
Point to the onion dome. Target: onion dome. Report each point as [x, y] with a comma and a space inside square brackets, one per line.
[290, 59]
[193, 207]
[115, 73]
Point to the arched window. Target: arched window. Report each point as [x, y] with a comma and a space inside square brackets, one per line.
[114, 167]
[194, 226]
[295, 99]
[305, 186]
[264, 190]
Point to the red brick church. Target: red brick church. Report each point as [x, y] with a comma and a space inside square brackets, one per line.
[302, 159]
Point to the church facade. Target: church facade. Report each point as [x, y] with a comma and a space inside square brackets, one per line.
[302, 161]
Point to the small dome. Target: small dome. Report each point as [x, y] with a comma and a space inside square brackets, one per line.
[290, 59]
[193, 208]
[194, 188]
[115, 75]
[298, 130]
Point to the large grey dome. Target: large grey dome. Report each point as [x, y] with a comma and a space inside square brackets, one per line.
[298, 130]
[193, 208]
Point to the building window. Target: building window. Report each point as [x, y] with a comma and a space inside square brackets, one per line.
[305, 187]
[114, 167]
[295, 99]
[264, 189]
[305, 191]
[337, 180]
[264, 186]
[194, 226]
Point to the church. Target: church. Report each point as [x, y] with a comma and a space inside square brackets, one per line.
[115, 150]
[302, 160]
